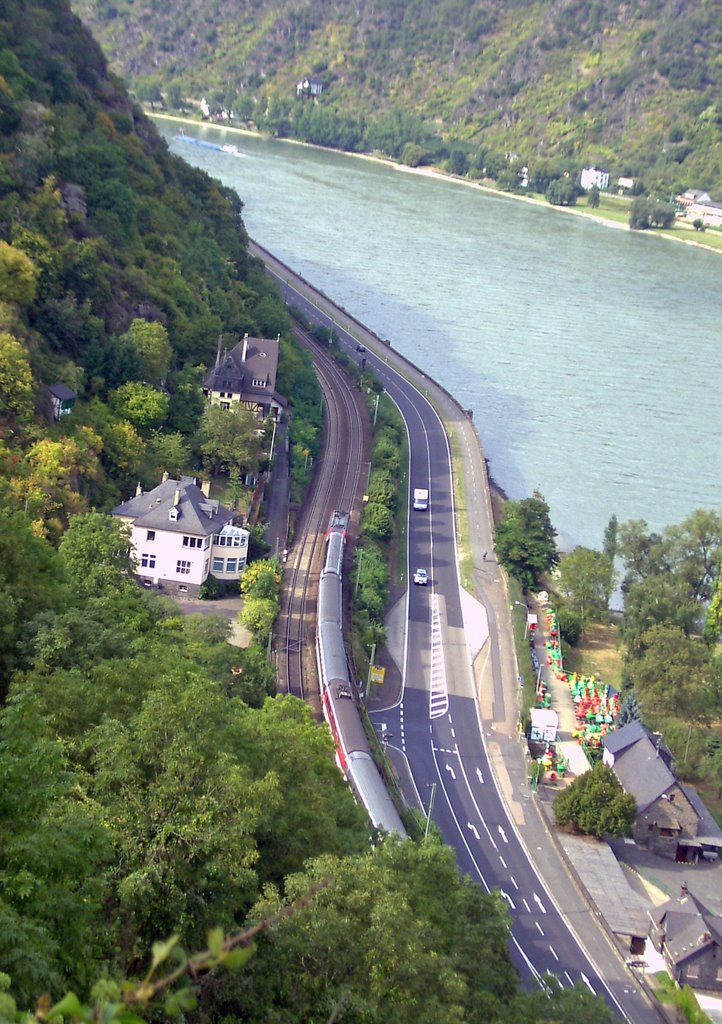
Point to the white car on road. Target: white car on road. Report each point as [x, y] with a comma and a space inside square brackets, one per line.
[421, 577]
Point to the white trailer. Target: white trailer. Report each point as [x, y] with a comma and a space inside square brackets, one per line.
[421, 499]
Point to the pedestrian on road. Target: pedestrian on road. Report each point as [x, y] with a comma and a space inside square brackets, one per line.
[485, 554]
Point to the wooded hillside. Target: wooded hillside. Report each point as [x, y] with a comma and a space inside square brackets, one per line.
[634, 88]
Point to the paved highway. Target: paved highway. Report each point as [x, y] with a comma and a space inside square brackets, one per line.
[437, 722]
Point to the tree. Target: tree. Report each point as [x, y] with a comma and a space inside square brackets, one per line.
[16, 380]
[712, 762]
[167, 453]
[378, 521]
[228, 438]
[654, 601]
[647, 213]
[595, 804]
[674, 677]
[562, 192]
[140, 404]
[593, 197]
[18, 276]
[150, 341]
[629, 709]
[526, 540]
[95, 552]
[713, 622]
[586, 581]
[351, 949]
[258, 616]
[262, 579]
[610, 542]
[458, 162]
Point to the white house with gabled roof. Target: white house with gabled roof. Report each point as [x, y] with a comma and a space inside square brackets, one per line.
[180, 535]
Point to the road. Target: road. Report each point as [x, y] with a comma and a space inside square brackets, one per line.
[437, 722]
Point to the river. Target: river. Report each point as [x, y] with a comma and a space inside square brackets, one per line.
[591, 357]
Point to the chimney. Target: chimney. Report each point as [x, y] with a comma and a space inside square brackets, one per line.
[218, 351]
[164, 477]
[138, 490]
[176, 497]
[206, 487]
[245, 347]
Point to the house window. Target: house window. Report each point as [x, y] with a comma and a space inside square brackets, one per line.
[232, 565]
[173, 514]
[183, 568]
[150, 535]
[192, 542]
[668, 833]
[147, 561]
[225, 405]
[218, 564]
[205, 567]
[693, 971]
[182, 589]
[719, 974]
[259, 383]
[206, 543]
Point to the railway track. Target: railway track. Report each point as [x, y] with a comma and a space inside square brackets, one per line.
[336, 484]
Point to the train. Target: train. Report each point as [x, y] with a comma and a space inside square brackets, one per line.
[338, 696]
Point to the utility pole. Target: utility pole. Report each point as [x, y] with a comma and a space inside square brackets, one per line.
[431, 807]
[368, 680]
[376, 408]
[358, 570]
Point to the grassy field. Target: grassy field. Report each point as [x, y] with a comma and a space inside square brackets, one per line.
[597, 654]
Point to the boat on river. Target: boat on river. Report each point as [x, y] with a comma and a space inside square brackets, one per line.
[193, 141]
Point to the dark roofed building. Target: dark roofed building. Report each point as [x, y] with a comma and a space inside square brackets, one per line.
[247, 376]
[668, 820]
[689, 937]
[62, 400]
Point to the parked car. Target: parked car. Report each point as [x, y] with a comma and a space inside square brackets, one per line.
[360, 348]
[421, 577]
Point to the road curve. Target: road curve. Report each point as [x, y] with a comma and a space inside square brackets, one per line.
[457, 740]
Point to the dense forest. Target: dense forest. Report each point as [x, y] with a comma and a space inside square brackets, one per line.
[634, 88]
[151, 785]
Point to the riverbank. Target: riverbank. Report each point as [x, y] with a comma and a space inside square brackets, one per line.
[440, 175]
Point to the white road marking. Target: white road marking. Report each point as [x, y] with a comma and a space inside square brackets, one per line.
[553, 952]
[540, 904]
[502, 833]
[479, 776]
[503, 861]
[507, 897]
[588, 983]
[451, 770]
[513, 882]
[528, 908]
[570, 980]
[473, 829]
[539, 928]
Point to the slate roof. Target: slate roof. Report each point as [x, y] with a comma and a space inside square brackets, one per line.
[708, 831]
[198, 515]
[65, 394]
[639, 764]
[235, 374]
[688, 925]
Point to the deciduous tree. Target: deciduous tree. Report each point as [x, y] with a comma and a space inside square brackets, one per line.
[595, 803]
[674, 677]
[586, 581]
[526, 540]
[228, 438]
